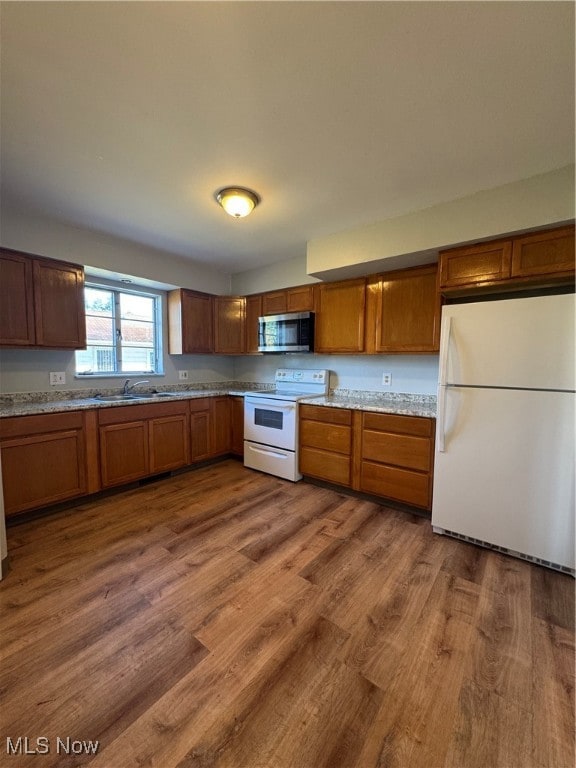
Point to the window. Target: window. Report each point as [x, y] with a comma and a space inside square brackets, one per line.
[122, 333]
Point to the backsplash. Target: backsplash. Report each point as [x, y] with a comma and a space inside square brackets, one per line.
[397, 397]
[55, 395]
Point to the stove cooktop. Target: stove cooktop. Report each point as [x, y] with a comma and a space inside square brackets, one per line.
[296, 384]
[278, 394]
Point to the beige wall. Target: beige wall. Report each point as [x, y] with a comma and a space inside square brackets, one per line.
[415, 238]
[414, 374]
[33, 233]
[283, 274]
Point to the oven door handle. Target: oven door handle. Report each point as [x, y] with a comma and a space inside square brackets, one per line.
[268, 452]
[267, 406]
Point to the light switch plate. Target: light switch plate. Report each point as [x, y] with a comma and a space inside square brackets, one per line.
[183, 375]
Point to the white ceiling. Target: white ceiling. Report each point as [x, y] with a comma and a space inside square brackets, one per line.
[127, 117]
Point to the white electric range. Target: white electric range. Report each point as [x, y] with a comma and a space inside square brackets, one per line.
[271, 421]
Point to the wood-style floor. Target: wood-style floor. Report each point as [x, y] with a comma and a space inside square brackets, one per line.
[227, 618]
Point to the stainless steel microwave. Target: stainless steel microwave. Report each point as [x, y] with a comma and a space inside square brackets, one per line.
[292, 332]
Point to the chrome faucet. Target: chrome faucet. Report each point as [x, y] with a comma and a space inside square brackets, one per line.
[127, 386]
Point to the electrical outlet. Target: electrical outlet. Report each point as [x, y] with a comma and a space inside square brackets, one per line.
[183, 375]
[57, 377]
[386, 379]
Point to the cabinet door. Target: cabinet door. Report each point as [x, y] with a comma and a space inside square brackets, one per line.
[253, 312]
[123, 452]
[274, 303]
[476, 264]
[404, 312]
[197, 322]
[200, 427]
[229, 325]
[43, 469]
[59, 304]
[237, 425]
[16, 300]
[544, 253]
[221, 426]
[190, 323]
[168, 441]
[300, 299]
[340, 317]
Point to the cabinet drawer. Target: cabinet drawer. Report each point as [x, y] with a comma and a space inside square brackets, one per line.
[399, 450]
[332, 467]
[395, 483]
[40, 424]
[328, 437]
[327, 415]
[403, 425]
[200, 404]
[126, 413]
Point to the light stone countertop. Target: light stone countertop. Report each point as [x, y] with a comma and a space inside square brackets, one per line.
[35, 403]
[400, 404]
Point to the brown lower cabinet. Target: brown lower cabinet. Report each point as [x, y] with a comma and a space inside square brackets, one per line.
[237, 425]
[141, 440]
[210, 428]
[326, 443]
[48, 458]
[396, 457]
[382, 454]
[54, 457]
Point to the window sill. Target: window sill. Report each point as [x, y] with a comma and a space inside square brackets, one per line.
[123, 376]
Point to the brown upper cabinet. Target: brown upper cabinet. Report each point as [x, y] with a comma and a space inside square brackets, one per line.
[253, 312]
[476, 264]
[297, 299]
[403, 312]
[41, 302]
[190, 322]
[544, 253]
[200, 323]
[229, 325]
[540, 258]
[339, 322]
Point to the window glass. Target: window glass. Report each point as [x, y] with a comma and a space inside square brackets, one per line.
[123, 333]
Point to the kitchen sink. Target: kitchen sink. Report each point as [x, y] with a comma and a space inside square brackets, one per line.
[115, 398]
[133, 396]
[159, 394]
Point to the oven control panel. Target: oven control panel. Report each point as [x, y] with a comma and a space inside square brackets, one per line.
[301, 376]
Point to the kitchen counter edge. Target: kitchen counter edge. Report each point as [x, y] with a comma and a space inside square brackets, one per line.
[405, 405]
[401, 407]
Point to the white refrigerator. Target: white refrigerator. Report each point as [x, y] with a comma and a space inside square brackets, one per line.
[504, 462]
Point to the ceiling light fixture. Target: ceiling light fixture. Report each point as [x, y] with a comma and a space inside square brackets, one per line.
[237, 201]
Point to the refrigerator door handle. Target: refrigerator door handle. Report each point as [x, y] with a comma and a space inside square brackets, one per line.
[441, 415]
[445, 339]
